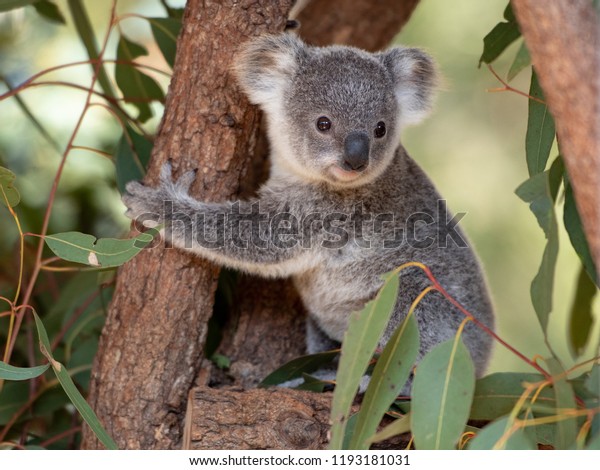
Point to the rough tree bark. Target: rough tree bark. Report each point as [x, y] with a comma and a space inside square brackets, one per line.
[151, 347]
[564, 41]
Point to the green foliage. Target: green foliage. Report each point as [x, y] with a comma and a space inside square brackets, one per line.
[441, 395]
[521, 61]
[104, 252]
[49, 11]
[131, 157]
[296, 368]
[580, 316]
[499, 38]
[500, 435]
[165, 32]
[360, 341]
[8, 372]
[137, 87]
[540, 130]
[9, 194]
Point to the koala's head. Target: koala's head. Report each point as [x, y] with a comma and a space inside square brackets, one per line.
[335, 113]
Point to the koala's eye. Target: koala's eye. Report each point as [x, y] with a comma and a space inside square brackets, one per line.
[323, 124]
[380, 129]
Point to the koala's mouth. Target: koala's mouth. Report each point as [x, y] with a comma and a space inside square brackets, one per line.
[343, 175]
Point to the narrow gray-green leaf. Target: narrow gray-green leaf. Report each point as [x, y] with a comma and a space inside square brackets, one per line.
[540, 130]
[581, 316]
[9, 196]
[496, 394]
[165, 32]
[540, 191]
[496, 436]
[497, 40]
[389, 376]
[296, 367]
[6, 5]
[8, 372]
[399, 426]
[49, 11]
[131, 157]
[360, 342]
[137, 87]
[70, 389]
[442, 393]
[566, 430]
[521, 61]
[104, 252]
[572, 222]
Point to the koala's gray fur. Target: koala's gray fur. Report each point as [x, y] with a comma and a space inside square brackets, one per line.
[295, 85]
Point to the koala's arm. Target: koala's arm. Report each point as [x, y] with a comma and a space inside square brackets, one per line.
[244, 235]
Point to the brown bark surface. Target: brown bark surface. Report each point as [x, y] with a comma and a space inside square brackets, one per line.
[564, 41]
[360, 23]
[257, 419]
[151, 346]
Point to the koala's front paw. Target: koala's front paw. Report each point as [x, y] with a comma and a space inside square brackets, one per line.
[148, 205]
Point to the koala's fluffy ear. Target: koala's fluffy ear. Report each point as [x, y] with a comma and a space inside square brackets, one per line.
[415, 76]
[265, 66]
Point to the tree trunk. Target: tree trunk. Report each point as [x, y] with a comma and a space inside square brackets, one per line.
[564, 41]
[151, 346]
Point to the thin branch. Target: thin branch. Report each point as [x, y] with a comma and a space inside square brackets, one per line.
[507, 87]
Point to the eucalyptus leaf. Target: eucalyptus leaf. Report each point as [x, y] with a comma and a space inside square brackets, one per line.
[566, 429]
[399, 426]
[9, 372]
[8, 193]
[581, 315]
[104, 252]
[49, 11]
[574, 227]
[70, 389]
[520, 62]
[131, 157]
[137, 87]
[389, 376]
[442, 393]
[540, 192]
[299, 366]
[360, 342]
[540, 130]
[165, 32]
[500, 37]
[499, 435]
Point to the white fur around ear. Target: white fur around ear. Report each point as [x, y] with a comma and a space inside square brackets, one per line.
[265, 65]
[415, 76]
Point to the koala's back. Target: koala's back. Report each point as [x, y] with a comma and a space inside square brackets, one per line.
[348, 276]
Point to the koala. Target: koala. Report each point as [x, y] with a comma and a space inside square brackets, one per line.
[344, 202]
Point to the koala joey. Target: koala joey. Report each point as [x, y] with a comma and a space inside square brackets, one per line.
[344, 202]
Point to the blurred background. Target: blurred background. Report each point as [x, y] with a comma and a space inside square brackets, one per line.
[472, 147]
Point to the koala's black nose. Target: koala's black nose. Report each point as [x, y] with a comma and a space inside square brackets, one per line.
[356, 151]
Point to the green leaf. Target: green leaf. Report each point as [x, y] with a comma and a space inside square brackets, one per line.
[165, 32]
[442, 393]
[360, 342]
[71, 390]
[6, 5]
[499, 38]
[496, 394]
[522, 60]
[491, 435]
[399, 426]
[131, 157]
[104, 252]
[594, 443]
[9, 372]
[49, 11]
[12, 397]
[592, 383]
[540, 191]
[298, 366]
[574, 228]
[581, 315]
[566, 430]
[221, 361]
[137, 87]
[8, 193]
[390, 374]
[540, 130]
